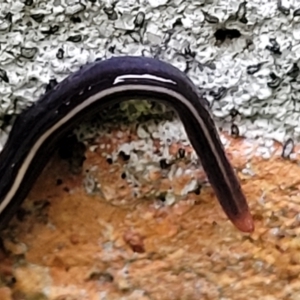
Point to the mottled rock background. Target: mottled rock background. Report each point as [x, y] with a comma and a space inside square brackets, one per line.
[243, 56]
[176, 244]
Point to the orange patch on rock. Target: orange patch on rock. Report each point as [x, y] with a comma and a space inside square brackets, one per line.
[120, 245]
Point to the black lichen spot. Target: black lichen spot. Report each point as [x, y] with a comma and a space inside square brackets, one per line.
[111, 13]
[8, 17]
[235, 131]
[123, 175]
[241, 13]
[60, 53]
[53, 29]
[249, 44]
[275, 81]
[112, 49]
[75, 19]
[109, 160]
[197, 190]
[124, 156]
[162, 196]
[178, 22]
[274, 47]
[187, 52]
[66, 189]
[254, 68]
[3, 76]
[38, 17]
[75, 38]
[244, 20]
[51, 84]
[288, 148]
[234, 112]
[296, 13]
[294, 71]
[222, 34]
[219, 93]
[28, 2]
[139, 19]
[282, 9]
[210, 19]
[93, 1]
[163, 163]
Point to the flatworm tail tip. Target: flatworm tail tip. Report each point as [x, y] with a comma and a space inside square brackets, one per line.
[244, 222]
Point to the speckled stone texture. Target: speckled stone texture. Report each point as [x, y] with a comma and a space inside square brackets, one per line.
[139, 221]
[243, 56]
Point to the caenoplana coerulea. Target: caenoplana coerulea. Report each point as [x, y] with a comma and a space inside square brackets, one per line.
[37, 129]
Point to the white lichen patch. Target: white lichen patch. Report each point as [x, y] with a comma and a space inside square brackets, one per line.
[252, 69]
